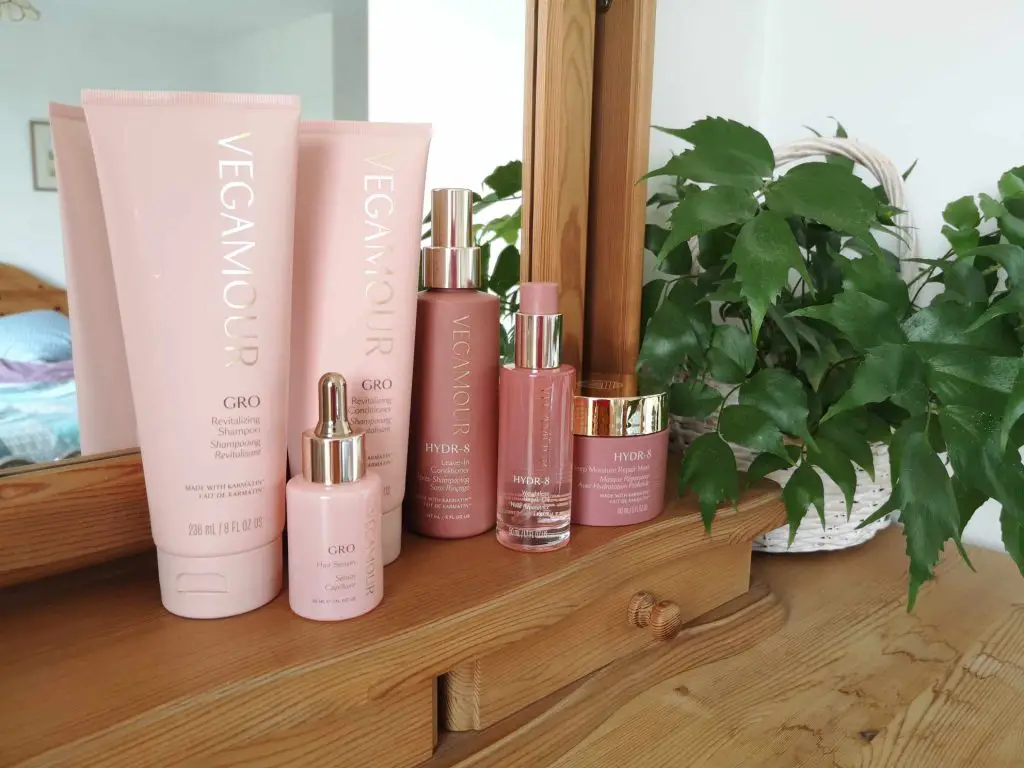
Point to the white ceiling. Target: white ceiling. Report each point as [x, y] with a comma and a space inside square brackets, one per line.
[200, 15]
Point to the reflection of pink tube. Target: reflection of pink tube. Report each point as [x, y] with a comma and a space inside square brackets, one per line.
[106, 417]
[199, 194]
[357, 236]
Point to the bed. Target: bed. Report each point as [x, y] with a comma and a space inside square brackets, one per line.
[38, 409]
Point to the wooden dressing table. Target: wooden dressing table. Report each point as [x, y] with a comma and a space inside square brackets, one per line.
[817, 664]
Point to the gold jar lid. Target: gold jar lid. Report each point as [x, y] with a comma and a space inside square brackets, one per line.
[608, 407]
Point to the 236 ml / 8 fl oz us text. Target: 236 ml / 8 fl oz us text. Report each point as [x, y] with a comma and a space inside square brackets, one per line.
[224, 527]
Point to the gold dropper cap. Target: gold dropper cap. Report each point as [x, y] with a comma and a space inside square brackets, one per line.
[333, 452]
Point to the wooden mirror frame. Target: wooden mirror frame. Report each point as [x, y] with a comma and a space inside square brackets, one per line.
[589, 66]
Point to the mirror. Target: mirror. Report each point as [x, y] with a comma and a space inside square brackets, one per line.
[458, 64]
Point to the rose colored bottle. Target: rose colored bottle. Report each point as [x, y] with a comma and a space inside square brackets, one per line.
[335, 555]
[620, 453]
[453, 447]
[535, 429]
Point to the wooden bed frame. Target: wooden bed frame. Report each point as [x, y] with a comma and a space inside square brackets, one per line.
[21, 292]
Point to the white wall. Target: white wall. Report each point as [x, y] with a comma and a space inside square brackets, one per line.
[48, 61]
[295, 57]
[916, 79]
[921, 80]
[708, 56]
[457, 64]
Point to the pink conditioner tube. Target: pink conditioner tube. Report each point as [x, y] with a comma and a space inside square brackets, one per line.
[358, 219]
[198, 194]
[106, 417]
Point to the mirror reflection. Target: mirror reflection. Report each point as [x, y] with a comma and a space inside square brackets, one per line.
[457, 64]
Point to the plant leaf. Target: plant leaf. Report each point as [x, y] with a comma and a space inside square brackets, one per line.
[968, 500]
[962, 213]
[705, 210]
[848, 432]
[763, 465]
[865, 321]
[950, 323]
[709, 470]
[873, 277]
[732, 354]
[781, 396]
[747, 426]
[650, 299]
[803, 489]
[1014, 410]
[971, 377]
[1007, 255]
[836, 465]
[506, 180]
[693, 399]
[964, 283]
[928, 509]
[679, 329]
[1011, 303]
[765, 252]
[1011, 183]
[661, 199]
[827, 194]
[506, 270]
[889, 372]
[724, 152]
[677, 260]
[990, 207]
[974, 452]
[1011, 524]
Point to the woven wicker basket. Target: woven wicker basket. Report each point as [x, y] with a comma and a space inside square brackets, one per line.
[839, 531]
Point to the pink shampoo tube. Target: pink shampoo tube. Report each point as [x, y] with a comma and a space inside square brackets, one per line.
[106, 416]
[359, 210]
[199, 197]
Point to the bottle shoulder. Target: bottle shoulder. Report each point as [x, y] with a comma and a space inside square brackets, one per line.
[368, 486]
[457, 296]
[564, 372]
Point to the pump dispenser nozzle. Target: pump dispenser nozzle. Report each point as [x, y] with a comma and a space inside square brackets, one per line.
[451, 260]
[333, 452]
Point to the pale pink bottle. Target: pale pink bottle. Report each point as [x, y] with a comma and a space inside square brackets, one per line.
[453, 445]
[335, 554]
[535, 439]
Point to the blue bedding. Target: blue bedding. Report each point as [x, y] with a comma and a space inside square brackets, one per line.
[38, 422]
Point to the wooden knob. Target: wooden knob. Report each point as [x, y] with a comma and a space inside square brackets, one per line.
[640, 606]
[666, 620]
[663, 617]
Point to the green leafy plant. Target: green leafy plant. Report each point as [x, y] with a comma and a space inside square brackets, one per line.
[794, 307]
[498, 240]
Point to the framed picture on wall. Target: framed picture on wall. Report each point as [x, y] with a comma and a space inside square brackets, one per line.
[44, 166]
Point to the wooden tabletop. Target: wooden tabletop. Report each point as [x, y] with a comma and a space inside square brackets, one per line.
[849, 679]
[93, 671]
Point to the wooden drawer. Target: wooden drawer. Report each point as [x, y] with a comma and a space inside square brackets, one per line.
[479, 693]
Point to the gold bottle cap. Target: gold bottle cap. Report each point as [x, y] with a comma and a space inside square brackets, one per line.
[333, 452]
[451, 260]
[607, 406]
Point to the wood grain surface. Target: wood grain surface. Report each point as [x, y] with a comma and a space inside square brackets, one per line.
[70, 514]
[560, 56]
[482, 692]
[21, 292]
[852, 679]
[538, 735]
[93, 671]
[620, 142]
